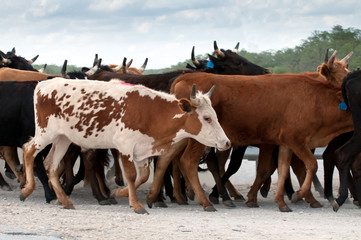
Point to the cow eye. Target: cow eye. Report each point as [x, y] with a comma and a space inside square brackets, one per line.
[207, 119]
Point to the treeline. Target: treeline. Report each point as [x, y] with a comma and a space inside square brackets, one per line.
[302, 58]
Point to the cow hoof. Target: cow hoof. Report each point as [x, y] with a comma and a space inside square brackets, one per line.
[68, 189]
[160, 204]
[330, 199]
[210, 209]
[294, 198]
[190, 195]
[252, 204]
[70, 206]
[182, 202]
[316, 205]
[264, 193]
[149, 203]
[104, 202]
[113, 201]
[239, 198]
[335, 206]
[120, 183]
[6, 188]
[285, 209]
[229, 204]
[22, 197]
[141, 211]
[214, 200]
[356, 203]
[54, 202]
[19, 168]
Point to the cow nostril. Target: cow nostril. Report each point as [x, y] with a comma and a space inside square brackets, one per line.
[228, 145]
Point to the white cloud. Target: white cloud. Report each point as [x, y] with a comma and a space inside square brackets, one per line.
[162, 30]
[109, 5]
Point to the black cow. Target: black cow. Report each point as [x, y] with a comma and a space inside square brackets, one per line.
[17, 123]
[11, 60]
[329, 163]
[347, 154]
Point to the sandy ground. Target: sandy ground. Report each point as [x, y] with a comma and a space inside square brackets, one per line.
[34, 219]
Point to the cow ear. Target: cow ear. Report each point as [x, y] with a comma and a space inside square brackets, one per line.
[339, 95]
[85, 69]
[325, 71]
[185, 105]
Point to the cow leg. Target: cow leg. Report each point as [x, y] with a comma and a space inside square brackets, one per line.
[356, 174]
[90, 159]
[142, 177]
[219, 188]
[69, 161]
[300, 171]
[130, 175]
[168, 186]
[233, 166]
[9, 154]
[177, 183]
[42, 176]
[345, 156]
[284, 162]
[4, 185]
[328, 167]
[160, 168]
[51, 163]
[265, 168]
[118, 171]
[100, 163]
[310, 162]
[29, 151]
[189, 161]
[222, 157]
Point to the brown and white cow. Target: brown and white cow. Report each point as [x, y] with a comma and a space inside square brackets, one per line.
[135, 120]
[297, 112]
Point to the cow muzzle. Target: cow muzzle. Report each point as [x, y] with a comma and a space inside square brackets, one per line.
[225, 145]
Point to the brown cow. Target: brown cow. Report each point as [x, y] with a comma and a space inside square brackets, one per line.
[11, 74]
[270, 109]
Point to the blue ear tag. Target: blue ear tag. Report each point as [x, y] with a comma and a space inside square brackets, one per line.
[210, 64]
[342, 105]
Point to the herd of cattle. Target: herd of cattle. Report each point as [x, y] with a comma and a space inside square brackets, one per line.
[210, 111]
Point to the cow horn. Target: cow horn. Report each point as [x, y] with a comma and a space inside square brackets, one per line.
[5, 60]
[120, 66]
[345, 59]
[94, 69]
[124, 69]
[129, 63]
[142, 68]
[326, 56]
[63, 69]
[194, 60]
[235, 50]
[209, 93]
[13, 51]
[332, 58]
[31, 61]
[195, 101]
[219, 53]
[95, 60]
[43, 68]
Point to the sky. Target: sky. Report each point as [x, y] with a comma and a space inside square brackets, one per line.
[162, 30]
